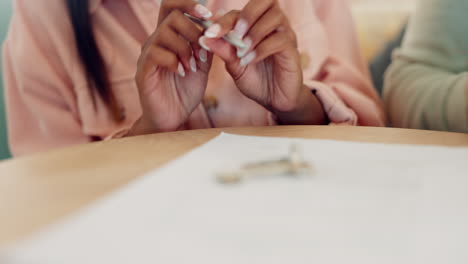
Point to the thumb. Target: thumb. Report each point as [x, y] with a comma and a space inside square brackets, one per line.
[221, 48]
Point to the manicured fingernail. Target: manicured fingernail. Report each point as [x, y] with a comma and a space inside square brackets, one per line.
[242, 52]
[202, 42]
[213, 31]
[193, 64]
[248, 58]
[181, 70]
[203, 54]
[241, 28]
[221, 12]
[203, 11]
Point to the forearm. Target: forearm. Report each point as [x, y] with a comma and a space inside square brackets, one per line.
[426, 97]
[309, 111]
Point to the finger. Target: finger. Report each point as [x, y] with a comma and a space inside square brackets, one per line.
[265, 26]
[184, 26]
[157, 57]
[166, 59]
[251, 13]
[191, 7]
[289, 31]
[189, 31]
[223, 25]
[272, 45]
[171, 40]
[220, 47]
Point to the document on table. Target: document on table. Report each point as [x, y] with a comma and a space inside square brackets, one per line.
[364, 203]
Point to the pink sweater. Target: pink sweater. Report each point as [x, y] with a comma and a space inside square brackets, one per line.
[49, 104]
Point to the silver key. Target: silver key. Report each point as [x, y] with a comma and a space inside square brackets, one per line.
[293, 164]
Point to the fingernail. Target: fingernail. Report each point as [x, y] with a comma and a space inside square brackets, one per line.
[193, 64]
[242, 52]
[203, 54]
[213, 31]
[221, 12]
[248, 58]
[202, 43]
[203, 11]
[241, 28]
[181, 70]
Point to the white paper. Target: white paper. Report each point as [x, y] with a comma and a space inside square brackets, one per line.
[365, 203]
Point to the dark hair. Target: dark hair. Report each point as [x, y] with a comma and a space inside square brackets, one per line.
[90, 56]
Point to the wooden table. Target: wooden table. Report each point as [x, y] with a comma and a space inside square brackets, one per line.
[38, 190]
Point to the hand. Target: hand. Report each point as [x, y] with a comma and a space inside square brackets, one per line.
[268, 69]
[172, 72]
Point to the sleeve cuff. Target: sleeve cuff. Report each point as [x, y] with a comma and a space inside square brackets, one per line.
[118, 134]
[336, 110]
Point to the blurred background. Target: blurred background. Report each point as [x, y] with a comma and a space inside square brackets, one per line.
[377, 21]
[5, 14]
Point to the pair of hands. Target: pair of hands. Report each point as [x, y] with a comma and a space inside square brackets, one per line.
[173, 68]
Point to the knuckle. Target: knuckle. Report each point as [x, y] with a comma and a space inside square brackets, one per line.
[187, 51]
[191, 32]
[292, 37]
[164, 23]
[149, 42]
[172, 60]
[176, 13]
[278, 14]
[151, 56]
[195, 37]
[248, 16]
[254, 35]
[162, 31]
[172, 16]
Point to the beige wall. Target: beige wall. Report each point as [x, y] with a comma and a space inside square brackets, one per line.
[378, 21]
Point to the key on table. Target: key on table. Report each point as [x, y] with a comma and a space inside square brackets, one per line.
[293, 164]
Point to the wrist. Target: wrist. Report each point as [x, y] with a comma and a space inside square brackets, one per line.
[308, 110]
[141, 127]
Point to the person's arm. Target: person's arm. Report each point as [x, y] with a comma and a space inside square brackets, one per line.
[426, 86]
[38, 92]
[342, 82]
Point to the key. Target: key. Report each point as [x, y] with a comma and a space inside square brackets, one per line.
[293, 164]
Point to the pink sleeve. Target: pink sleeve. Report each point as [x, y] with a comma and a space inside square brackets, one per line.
[38, 93]
[339, 76]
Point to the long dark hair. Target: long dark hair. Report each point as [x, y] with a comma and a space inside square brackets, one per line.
[90, 55]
